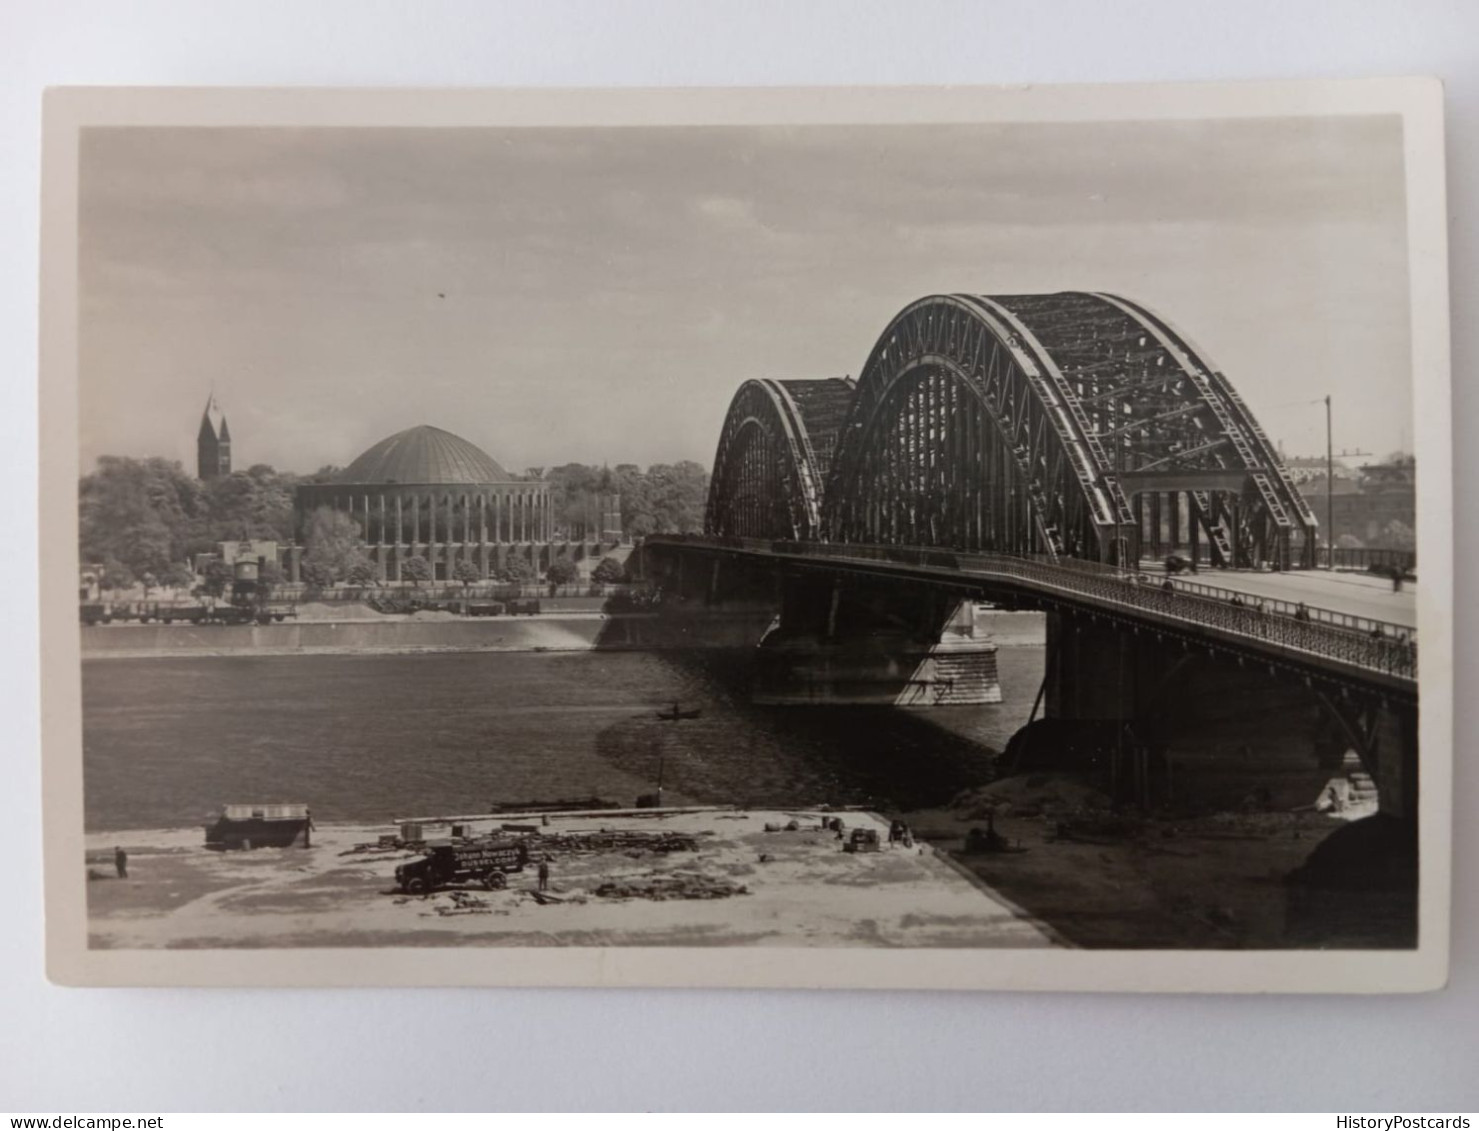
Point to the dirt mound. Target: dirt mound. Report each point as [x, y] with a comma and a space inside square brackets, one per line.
[1030, 795]
[1097, 827]
[1271, 823]
[1377, 852]
[679, 885]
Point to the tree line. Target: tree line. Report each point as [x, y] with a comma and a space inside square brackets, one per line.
[667, 498]
[148, 518]
[143, 518]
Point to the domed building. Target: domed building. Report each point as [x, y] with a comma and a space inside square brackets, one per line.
[425, 492]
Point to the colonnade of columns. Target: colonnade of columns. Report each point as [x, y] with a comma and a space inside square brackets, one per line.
[446, 526]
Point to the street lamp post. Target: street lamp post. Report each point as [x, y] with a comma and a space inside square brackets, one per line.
[1330, 491]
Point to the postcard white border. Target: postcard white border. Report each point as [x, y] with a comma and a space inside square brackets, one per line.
[70, 962]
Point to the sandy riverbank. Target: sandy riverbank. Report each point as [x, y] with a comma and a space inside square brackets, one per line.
[1102, 878]
[1215, 881]
[799, 889]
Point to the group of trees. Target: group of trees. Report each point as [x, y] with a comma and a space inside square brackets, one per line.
[664, 499]
[609, 571]
[564, 571]
[144, 519]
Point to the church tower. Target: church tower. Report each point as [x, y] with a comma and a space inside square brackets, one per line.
[213, 444]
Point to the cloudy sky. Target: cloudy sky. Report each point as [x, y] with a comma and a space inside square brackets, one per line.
[560, 295]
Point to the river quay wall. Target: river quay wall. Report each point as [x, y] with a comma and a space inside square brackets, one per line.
[698, 628]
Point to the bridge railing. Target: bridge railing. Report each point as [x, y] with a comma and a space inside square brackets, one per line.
[1374, 645]
[1369, 558]
[1273, 605]
[1390, 650]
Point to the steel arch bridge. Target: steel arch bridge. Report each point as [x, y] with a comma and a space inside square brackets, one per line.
[1073, 425]
[774, 454]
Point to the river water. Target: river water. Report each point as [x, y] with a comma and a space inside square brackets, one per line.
[374, 737]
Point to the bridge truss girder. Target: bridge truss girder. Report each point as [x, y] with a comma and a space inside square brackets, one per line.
[1008, 423]
[771, 461]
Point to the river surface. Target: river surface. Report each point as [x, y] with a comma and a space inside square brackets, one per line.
[374, 737]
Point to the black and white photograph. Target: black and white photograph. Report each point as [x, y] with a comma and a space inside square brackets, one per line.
[885, 538]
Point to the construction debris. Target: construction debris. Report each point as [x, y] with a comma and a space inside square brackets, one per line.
[385, 846]
[463, 903]
[678, 885]
[613, 840]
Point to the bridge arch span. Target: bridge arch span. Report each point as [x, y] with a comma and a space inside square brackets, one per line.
[773, 456]
[1072, 425]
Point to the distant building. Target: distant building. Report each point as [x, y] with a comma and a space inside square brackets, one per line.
[213, 443]
[1308, 472]
[1400, 476]
[427, 493]
[261, 551]
[1376, 506]
[247, 557]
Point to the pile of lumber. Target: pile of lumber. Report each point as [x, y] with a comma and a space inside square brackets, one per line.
[463, 904]
[679, 885]
[613, 840]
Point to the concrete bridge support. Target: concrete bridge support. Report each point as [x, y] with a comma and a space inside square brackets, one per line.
[1141, 694]
[844, 641]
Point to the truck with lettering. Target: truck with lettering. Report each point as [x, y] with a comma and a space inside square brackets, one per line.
[487, 861]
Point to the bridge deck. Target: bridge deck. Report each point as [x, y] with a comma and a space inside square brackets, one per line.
[1358, 594]
[1334, 640]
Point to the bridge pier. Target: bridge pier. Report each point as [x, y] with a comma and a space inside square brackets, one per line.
[846, 642]
[1121, 697]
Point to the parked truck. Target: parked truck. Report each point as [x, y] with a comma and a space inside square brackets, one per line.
[487, 861]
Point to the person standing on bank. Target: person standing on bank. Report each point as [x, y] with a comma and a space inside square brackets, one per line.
[307, 826]
[544, 874]
[120, 862]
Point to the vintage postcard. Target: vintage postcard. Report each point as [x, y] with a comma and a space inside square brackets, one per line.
[957, 538]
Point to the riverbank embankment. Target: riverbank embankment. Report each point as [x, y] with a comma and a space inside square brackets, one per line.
[443, 632]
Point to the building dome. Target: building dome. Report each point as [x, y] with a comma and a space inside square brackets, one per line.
[424, 455]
